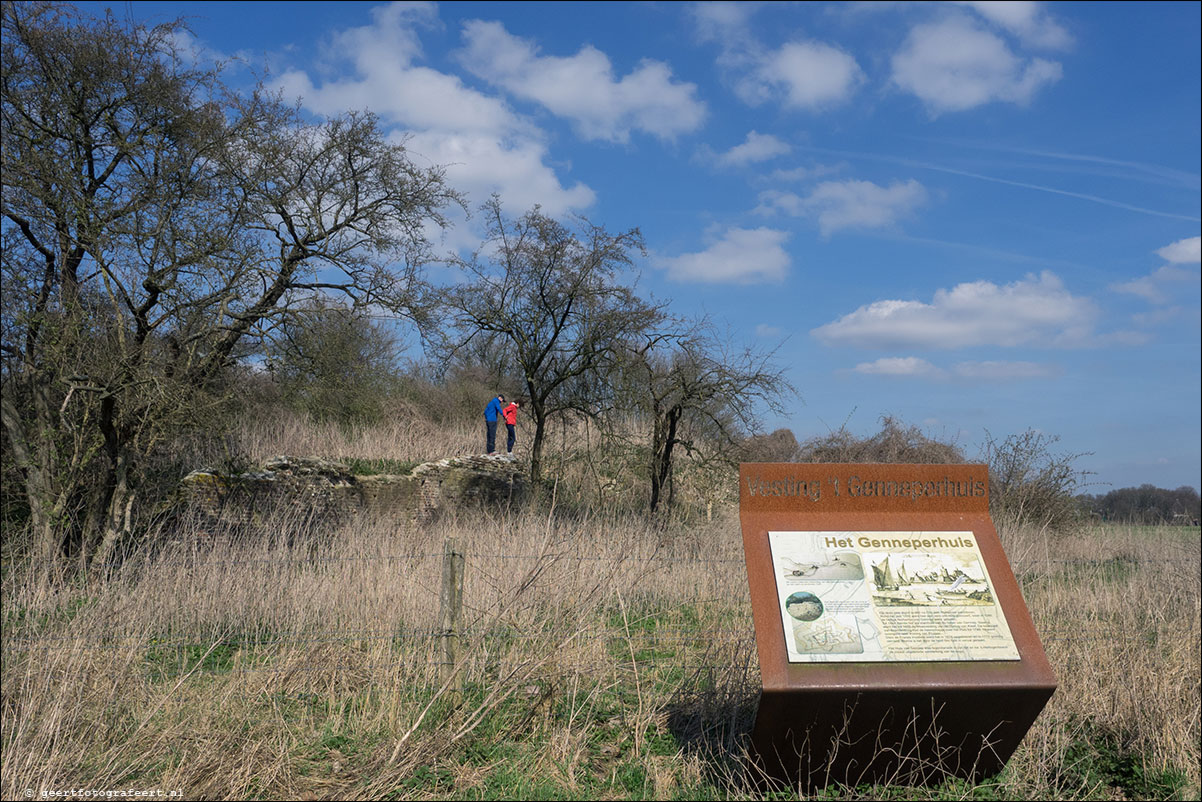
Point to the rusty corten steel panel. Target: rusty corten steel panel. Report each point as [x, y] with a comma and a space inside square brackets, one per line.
[853, 722]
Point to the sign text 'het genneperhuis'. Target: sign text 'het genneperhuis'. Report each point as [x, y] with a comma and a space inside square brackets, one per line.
[867, 542]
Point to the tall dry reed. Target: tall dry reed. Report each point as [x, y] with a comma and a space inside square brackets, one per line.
[210, 665]
[601, 653]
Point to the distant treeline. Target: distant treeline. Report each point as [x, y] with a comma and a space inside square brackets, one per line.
[1146, 504]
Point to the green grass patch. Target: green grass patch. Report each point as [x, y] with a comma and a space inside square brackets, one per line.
[426, 779]
[511, 782]
[1111, 571]
[170, 661]
[646, 616]
[26, 622]
[1102, 760]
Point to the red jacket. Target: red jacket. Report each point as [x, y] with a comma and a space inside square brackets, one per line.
[511, 414]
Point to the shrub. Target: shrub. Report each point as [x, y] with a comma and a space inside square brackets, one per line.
[1029, 483]
[335, 364]
[780, 446]
[895, 442]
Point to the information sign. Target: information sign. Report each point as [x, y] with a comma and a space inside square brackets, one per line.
[893, 640]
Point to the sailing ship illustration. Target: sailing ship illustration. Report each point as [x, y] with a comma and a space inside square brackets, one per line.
[891, 574]
[917, 581]
[886, 577]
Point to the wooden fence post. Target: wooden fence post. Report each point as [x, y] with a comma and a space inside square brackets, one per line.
[451, 610]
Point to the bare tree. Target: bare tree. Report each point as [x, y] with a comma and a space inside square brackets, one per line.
[697, 393]
[556, 297]
[153, 223]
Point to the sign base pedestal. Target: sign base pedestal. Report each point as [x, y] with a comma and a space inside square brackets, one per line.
[818, 738]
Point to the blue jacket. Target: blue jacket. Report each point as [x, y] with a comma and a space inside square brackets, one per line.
[492, 410]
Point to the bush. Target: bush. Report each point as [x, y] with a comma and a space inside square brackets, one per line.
[780, 446]
[1031, 484]
[457, 394]
[335, 364]
[895, 442]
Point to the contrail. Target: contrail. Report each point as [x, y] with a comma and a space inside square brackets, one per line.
[1006, 181]
[1177, 176]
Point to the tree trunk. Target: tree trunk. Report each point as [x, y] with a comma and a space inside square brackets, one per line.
[667, 477]
[116, 504]
[536, 448]
[38, 492]
[117, 518]
[654, 467]
[663, 438]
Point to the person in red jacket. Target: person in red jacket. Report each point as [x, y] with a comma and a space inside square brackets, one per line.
[511, 419]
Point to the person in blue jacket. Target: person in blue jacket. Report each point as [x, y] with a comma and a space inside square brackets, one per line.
[491, 412]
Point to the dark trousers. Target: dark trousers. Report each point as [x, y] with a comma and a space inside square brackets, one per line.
[512, 437]
[491, 436]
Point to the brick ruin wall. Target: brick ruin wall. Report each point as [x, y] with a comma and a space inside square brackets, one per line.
[319, 489]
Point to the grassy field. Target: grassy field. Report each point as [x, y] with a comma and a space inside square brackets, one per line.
[602, 658]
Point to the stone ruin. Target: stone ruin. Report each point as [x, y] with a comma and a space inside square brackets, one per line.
[325, 490]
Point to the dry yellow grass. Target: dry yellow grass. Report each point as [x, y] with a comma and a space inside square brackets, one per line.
[320, 641]
[1118, 610]
[410, 438]
[603, 657]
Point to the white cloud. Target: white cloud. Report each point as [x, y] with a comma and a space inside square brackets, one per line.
[1005, 371]
[764, 330]
[582, 88]
[916, 368]
[863, 204]
[954, 65]
[1183, 251]
[1159, 316]
[1036, 310]
[726, 22]
[1165, 285]
[848, 204]
[740, 255]
[480, 164]
[1026, 20]
[197, 53]
[400, 44]
[772, 201]
[756, 148]
[899, 366]
[807, 75]
[1158, 287]
[485, 146]
[415, 97]
[802, 75]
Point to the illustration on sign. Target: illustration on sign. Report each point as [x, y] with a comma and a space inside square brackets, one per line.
[887, 597]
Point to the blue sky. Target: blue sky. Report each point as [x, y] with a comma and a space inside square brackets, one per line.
[978, 217]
